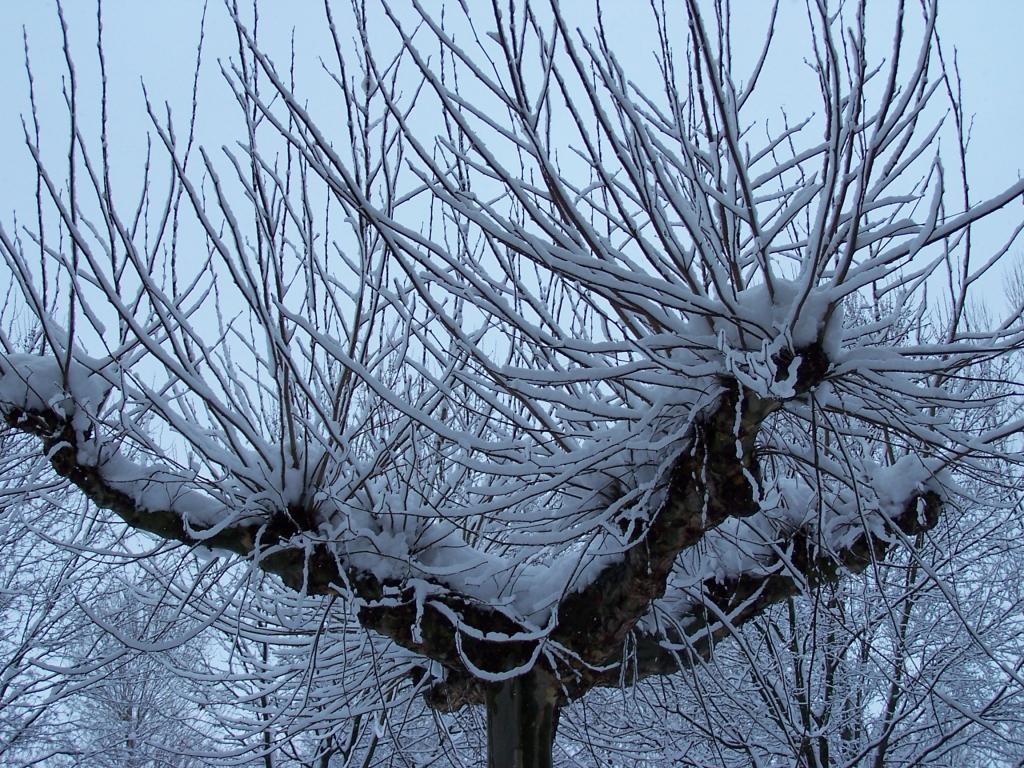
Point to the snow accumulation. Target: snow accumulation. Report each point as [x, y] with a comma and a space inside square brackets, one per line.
[76, 393]
[756, 546]
[537, 564]
[764, 323]
[37, 383]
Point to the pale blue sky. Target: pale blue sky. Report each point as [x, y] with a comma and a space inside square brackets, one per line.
[156, 42]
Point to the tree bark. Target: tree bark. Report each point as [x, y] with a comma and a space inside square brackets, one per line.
[522, 717]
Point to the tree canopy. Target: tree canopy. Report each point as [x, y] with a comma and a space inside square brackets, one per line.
[546, 379]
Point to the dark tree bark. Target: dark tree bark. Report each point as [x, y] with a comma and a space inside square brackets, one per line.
[522, 717]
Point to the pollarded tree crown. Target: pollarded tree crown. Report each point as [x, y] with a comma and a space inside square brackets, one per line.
[588, 369]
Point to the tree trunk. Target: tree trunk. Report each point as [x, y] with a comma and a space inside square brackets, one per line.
[522, 716]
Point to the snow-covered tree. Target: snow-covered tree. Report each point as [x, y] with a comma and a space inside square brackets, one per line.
[37, 617]
[552, 379]
[73, 690]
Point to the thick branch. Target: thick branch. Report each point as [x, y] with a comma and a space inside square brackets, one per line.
[728, 604]
[60, 442]
[389, 608]
[711, 482]
[738, 599]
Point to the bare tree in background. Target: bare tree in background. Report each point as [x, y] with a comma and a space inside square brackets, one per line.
[72, 689]
[36, 617]
[551, 380]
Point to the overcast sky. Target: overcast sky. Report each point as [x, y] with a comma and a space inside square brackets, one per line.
[156, 42]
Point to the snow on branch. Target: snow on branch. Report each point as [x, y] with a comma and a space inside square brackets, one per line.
[593, 367]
